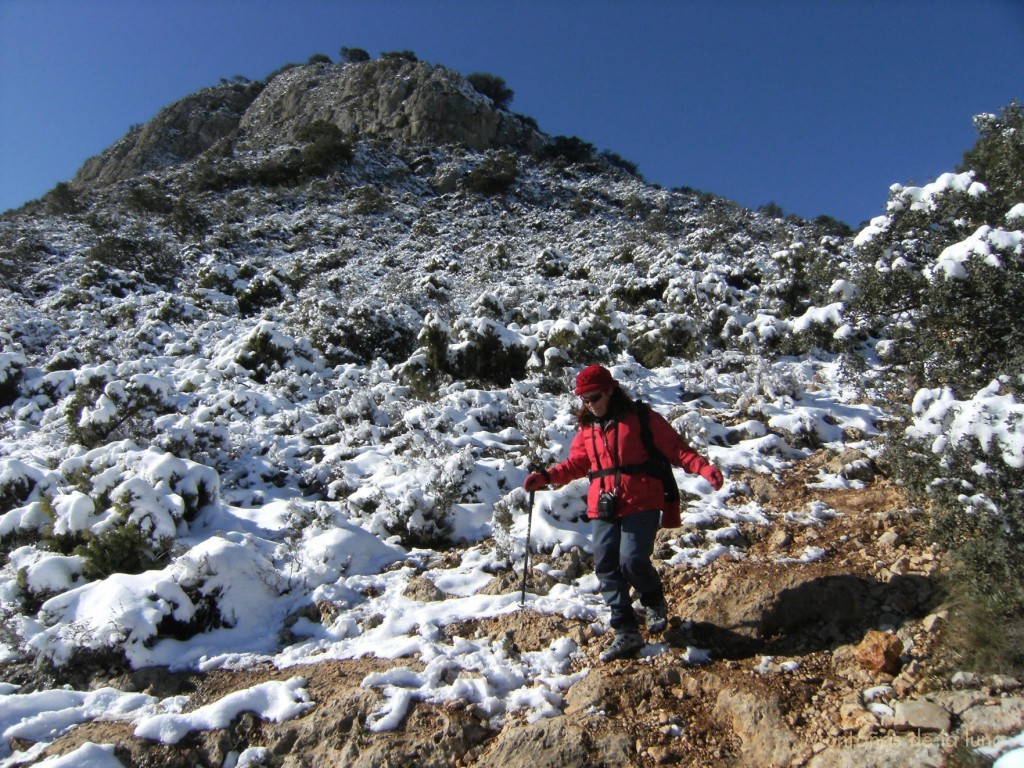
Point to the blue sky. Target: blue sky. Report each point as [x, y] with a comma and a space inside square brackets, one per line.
[815, 105]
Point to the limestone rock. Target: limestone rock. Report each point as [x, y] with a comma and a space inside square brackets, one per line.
[411, 101]
[880, 753]
[555, 743]
[889, 539]
[922, 715]
[852, 465]
[602, 689]
[1000, 717]
[179, 132]
[1003, 683]
[966, 680]
[758, 721]
[423, 589]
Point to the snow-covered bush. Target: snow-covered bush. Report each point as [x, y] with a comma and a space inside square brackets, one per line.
[428, 366]
[997, 157]
[214, 275]
[419, 514]
[595, 337]
[14, 488]
[119, 486]
[487, 353]
[267, 349]
[967, 458]
[361, 332]
[940, 279]
[941, 275]
[104, 408]
[805, 275]
[262, 291]
[205, 439]
[20, 483]
[124, 548]
[663, 338]
[12, 367]
[505, 511]
[377, 330]
[976, 447]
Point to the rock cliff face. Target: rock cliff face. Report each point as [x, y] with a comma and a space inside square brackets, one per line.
[178, 133]
[410, 101]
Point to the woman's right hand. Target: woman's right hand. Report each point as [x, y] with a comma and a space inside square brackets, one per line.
[535, 481]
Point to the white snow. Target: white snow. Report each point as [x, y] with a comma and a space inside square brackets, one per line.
[273, 701]
[994, 422]
[88, 755]
[985, 244]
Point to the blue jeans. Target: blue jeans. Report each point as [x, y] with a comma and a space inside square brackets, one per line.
[622, 559]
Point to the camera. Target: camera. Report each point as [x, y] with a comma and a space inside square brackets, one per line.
[606, 506]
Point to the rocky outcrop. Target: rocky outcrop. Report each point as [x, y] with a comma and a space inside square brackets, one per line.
[411, 101]
[178, 133]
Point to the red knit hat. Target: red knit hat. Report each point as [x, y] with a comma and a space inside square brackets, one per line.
[594, 378]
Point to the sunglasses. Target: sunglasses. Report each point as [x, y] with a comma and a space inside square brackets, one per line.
[591, 399]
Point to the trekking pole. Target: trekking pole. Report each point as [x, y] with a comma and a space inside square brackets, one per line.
[526, 557]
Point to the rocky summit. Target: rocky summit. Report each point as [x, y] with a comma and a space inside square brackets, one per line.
[392, 98]
[273, 369]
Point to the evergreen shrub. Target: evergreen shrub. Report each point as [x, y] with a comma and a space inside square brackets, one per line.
[325, 148]
[354, 55]
[941, 279]
[493, 87]
[124, 548]
[567, 150]
[101, 410]
[262, 292]
[494, 175]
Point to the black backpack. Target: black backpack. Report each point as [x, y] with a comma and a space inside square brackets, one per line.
[656, 465]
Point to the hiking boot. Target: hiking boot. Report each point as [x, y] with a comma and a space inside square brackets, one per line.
[657, 616]
[626, 644]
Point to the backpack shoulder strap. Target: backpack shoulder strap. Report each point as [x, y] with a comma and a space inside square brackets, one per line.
[656, 457]
[643, 412]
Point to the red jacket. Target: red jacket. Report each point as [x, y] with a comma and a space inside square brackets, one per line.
[594, 448]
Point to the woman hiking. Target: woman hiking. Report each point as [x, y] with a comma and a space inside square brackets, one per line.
[625, 501]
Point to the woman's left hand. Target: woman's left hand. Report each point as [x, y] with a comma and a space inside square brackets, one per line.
[712, 474]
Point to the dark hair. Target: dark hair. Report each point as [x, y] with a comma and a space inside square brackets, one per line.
[619, 404]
